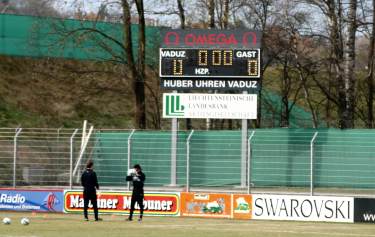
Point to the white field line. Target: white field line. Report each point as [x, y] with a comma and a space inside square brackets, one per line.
[19, 236]
[252, 229]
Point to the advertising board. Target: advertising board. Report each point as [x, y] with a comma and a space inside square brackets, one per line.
[222, 84]
[155, 203]
[211, 205]
[303, 208]
[216, 106]
[241, 206]
[211, 38]
[364, 210]
[31, 200]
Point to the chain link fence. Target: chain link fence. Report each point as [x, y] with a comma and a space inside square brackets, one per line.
[278, 160]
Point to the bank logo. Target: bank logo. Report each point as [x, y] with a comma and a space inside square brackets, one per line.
[173, 106]
[242, 206]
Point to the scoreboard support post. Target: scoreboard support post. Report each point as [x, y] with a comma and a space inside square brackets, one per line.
[174, 150]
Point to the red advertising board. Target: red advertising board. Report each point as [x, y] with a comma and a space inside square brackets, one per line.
[210, 205]
[155, 204]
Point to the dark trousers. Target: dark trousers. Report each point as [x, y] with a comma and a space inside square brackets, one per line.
[136, 198]
[90, 196]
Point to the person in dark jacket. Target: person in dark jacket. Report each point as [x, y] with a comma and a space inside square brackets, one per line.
[138, 178]
[90, 184]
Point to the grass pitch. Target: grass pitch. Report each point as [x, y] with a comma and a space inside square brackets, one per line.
[61, 225]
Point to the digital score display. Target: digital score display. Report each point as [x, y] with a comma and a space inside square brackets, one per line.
[209, 63]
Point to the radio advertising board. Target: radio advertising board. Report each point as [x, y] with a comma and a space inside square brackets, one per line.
[303, 208]
[155, 203]
[216, 106]
[211, 205]
[31, 200]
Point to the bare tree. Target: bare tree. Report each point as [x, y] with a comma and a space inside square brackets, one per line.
[211, 14]
[137, 69]
[285, 39]
[120, 50]
[349, 77]
[342, 55]
[181, 13]
[304, 72]
[30, 7]
[365, 60]
[258, 15]
[370, 74]
[226, 15]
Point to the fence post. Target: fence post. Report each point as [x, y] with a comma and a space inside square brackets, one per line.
[83, 148]
[129, 152]
[312, 164]
[249, 162]
[83, 133]
[58, 133]
[71, 158]
[244, 134]
[18, 130]
[188, 161]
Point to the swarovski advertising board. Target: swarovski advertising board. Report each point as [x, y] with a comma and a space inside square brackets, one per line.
[364, 210]
[215, 106]
[303, 208]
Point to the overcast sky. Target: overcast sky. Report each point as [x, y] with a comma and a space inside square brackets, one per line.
[156, 6]
[149, 5]
[86, 5]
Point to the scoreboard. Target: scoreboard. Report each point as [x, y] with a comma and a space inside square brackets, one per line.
[209, 63]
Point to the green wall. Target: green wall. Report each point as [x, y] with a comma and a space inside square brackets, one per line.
[52, 37]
